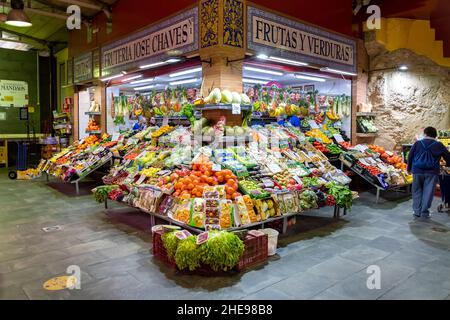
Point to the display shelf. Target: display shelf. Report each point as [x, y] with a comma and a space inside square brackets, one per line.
[94, 132]
[366, 114]
[221, 106]
[93, 113]
[336, 214]
[367, 135]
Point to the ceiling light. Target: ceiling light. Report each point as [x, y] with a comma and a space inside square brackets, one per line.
[403, 68]
[144, 88]
[152, 65]
[176, 74]
[160, 63]
[275, 73]
[255, 81]
[142, 81]
[326, 69]
[300, 76]
[132, 78]
[17, 17]
[172, 60]
[281, 60]
[112, 77]
[184, 81]
[14, 45]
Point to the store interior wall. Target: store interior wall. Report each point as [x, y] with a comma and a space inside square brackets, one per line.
[21, 66]
[64, 90]
[406, 102]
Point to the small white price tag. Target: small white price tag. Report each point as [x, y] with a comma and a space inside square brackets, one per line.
[274, 168]
[165, 121]
[141, 179]
[236, 108]
[297, 179]
[216, 167]
[278, 155]
[364, 162]
[313, 124]
[338, 138]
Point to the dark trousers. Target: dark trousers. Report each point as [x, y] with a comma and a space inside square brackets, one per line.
[423, 188]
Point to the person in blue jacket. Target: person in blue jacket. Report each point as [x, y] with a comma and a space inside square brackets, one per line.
[423, 163]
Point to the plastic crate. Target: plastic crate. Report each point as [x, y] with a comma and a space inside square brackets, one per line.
[256, 252]
[159, 252]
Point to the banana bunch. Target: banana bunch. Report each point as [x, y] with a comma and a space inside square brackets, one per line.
[332, 116]
[150, 172]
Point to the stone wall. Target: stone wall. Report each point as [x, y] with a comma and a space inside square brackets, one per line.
[406, 102]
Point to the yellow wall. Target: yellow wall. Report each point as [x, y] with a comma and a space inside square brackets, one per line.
[63, 92]
[415, 35]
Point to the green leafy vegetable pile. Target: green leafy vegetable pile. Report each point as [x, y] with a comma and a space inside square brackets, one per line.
[222, 251]
[342, 195]
[101, 193]
[308, 199]
[188, 254]
[170, 242]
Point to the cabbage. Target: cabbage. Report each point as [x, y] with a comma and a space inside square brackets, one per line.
[227, 97]
[215, 96]
[236, 97]
[239, 131]
[245, 99]
[229, 131]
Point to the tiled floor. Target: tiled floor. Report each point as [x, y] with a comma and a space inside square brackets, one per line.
[326, 260]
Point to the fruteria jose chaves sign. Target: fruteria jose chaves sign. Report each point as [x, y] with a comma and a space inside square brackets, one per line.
[149, 45]
[272, 34]
[13, 93]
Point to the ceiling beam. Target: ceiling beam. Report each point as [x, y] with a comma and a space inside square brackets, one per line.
[90, 5]
[37, 40]
[59, 9]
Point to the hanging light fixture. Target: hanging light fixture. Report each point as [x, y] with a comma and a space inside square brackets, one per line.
[17, 17]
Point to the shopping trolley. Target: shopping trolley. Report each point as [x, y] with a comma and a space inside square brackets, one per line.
[444, 181]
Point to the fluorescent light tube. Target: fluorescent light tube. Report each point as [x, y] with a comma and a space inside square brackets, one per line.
[172, 60]
[152, 65]
[142, 81]
[275, 73]
[338, 71]
[184, 81]
[144, 88]
[403, 68]
[281, 60]
[300, 76]
[132, 78]
[255, 81]
[176, 74]
[112, 77]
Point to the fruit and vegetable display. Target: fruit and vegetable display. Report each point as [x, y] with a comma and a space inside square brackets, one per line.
[218, 188]
[384, 168]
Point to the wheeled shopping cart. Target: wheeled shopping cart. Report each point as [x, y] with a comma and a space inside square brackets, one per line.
[444, 181]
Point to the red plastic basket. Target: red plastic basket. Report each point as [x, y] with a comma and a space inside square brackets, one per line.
[256, 252]
[159, 251]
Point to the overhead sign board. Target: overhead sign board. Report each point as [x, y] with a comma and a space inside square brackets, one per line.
[13, 93]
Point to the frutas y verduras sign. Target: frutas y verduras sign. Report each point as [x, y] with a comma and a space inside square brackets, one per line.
[13, 93]
[180, 32]
[275, 35]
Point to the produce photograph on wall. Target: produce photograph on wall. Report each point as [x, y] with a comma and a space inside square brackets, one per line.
[229, 150]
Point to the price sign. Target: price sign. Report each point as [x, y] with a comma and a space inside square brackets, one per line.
[274, 168]
[165, 121]
[236, 108]
[141, 179]
[115, 137]
[297, 179]
[338, 138]
[313, 124]
[216, 167]
[202, 238]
